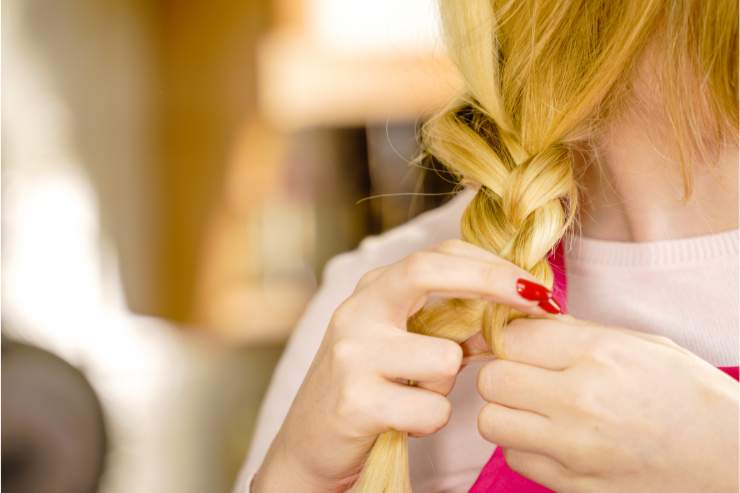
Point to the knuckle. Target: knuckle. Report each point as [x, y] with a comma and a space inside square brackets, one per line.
[417, 267]
[368, 277]
[584, 397]
[345, 314]
[344, 353]
[492, 274]
[609, 351]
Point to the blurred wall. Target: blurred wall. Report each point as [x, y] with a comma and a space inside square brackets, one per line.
[156, 96]
[97, 59]
[83, 153]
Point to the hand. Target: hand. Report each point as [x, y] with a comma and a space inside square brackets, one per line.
[355, 388]
[584, 408]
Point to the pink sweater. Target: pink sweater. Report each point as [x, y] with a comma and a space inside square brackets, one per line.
[675, 288]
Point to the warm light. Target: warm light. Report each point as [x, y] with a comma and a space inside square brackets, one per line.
[380, 26]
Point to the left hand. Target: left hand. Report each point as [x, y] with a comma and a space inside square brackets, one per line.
[580, 407]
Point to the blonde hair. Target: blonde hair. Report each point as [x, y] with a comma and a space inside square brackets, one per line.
[541, 76]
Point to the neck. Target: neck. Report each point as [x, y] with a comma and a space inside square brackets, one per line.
[635, 190]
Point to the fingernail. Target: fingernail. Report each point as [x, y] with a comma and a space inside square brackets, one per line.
[532, 291]
[550, 306]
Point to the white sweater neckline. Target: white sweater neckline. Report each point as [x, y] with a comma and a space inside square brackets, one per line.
[676, 252]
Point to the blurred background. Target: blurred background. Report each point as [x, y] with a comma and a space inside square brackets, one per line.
[175, 174]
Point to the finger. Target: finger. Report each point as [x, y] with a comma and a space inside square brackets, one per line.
[450, 247]
[654, 338]
[411, 409]
[442, 387]
[518, 386]
[557, 343]
[407, 356]
[465, 249]
[539, 468]
[523, 430]
[551, 343]
[424, 273]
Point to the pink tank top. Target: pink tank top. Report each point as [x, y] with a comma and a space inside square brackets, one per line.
[496, 476]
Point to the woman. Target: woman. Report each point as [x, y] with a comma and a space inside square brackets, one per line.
[630, 105]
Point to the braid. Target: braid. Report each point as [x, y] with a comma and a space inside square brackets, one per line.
[541, 76]
[520, 212]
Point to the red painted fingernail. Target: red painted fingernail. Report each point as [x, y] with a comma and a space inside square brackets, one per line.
[532, 291]
[550, 306]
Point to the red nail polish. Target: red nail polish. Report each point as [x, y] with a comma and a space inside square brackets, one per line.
[532, 291]
[550, 306]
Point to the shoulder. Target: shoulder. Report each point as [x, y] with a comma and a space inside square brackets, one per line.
[425, 230]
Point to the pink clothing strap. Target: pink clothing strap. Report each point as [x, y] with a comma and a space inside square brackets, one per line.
[560, 283]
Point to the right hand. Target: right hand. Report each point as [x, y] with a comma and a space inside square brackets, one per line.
[355, 390]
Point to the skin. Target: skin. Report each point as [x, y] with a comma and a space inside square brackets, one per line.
[607, 409]
[632, 412]
[351, 392]
[580, 407]
[634, 186]
[577, 406]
